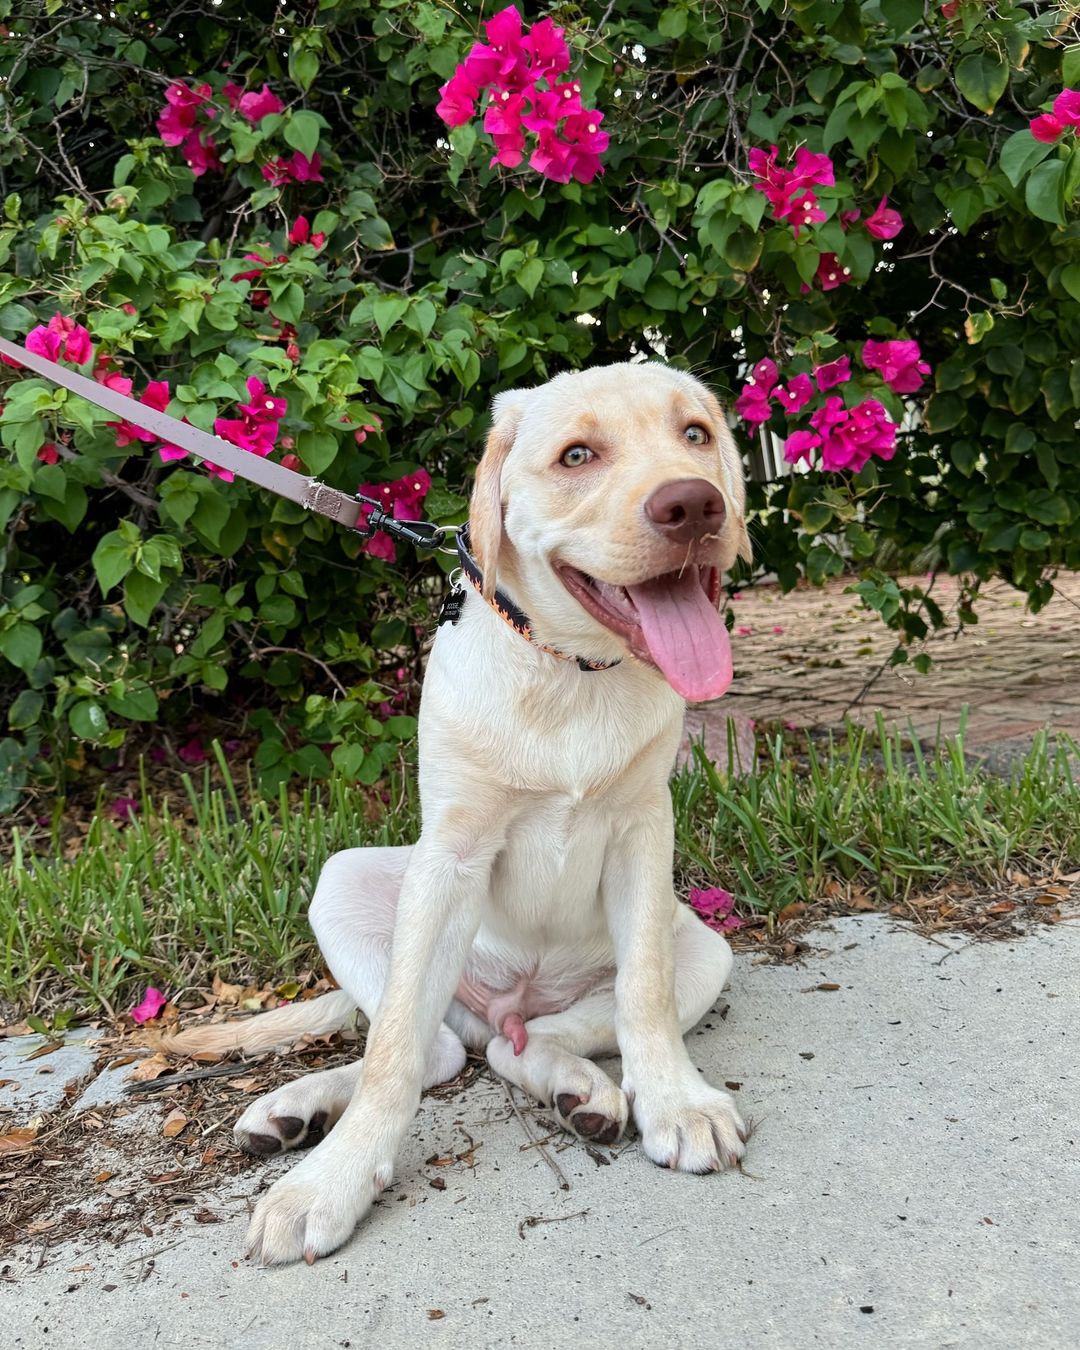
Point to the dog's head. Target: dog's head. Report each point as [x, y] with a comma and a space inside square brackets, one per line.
[609, 501]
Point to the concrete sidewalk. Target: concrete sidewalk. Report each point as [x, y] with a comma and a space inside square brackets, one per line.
[913, 1181]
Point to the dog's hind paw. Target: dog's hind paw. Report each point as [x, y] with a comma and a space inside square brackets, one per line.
[298, 1114]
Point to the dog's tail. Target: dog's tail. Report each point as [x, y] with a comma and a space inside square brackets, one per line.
[275, 1030]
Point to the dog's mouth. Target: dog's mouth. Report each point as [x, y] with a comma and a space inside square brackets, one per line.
[670, 622]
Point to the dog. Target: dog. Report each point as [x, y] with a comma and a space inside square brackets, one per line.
[535, 918]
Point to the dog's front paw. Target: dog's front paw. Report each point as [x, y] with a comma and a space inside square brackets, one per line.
[691, 1129]
[312, 1210]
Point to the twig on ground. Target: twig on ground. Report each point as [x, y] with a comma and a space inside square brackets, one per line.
[560, 1175]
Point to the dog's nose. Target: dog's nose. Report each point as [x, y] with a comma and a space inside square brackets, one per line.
[685, 510]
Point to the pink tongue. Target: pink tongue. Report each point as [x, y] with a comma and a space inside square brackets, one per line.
[685, 635]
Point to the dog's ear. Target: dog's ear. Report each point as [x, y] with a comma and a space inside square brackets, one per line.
[485, 507]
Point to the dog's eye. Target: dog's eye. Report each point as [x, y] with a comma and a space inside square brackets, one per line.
[696, 435]
[576, 456]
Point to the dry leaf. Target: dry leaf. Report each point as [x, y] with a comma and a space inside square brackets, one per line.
[435, 1314]
[245, 1084]
[861, 902]
[45, 1049]
[228, 995]
[20, 1140]
[103, 1177]
[1046, 899]
[792, 911]
[175, 1121]
[1001, 907]
[149, 1069]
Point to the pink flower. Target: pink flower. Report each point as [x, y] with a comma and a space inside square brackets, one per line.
[300, 233]
[715, 907]
[848, 218]
[156, 395]
[799, 446]
[950, 9]
[306, 170]
[62, 339]
[833, 373]
[753, 405]
[43, 342]
[884, 223]
[457, 99]
[1067, 107]
[898, 364]
[743, 631]
[152, 1003]
[830, 274]
[511, 66]
[256, 106]
[48, 454]
[1046, 128]
[796, 393]
[765, 375]
[868, 430]
[813, 170]
[788, 191]
[502, 122]
[802, 211]
[192, 752]
[828, 417]
[263, 407]
[125, 808]
[777, 628]
[403, 499]
[201, 153]
[298, 169]
[178, 117]
[546, 46]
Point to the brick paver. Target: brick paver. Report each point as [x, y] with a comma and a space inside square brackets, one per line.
[808, 654]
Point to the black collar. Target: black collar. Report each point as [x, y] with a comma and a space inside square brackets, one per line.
[504, 607]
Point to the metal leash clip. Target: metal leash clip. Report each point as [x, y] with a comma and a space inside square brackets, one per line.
[420, 533]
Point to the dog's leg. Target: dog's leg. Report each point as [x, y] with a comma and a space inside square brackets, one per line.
[556, 1065]
[352, 913]
[315, 1208]
[684, 1123]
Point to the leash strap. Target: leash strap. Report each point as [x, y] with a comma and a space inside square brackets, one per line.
[309, 493]
[504, 607]
[362, 514]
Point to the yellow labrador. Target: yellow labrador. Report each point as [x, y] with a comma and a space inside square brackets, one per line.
[535, 918]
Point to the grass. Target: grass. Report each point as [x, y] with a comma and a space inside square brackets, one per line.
[219, 880]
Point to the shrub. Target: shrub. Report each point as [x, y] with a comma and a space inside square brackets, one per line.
[217, 200]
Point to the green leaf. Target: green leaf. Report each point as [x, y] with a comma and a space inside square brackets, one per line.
[139, 704]
[21, 644]
[88, 721]
[816, 517]
[386, 310]
[673, 22]
[302, 132]
[113, 559]
[317, 450]
[303, 67]
[982, 78]
[1070, 67]
[530, 276]
[26, 709]
[1044, 192]
[141, 594]
[1070, 278]
[1019, 155]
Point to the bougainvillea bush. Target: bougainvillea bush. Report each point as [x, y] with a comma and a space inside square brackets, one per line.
[333, 235]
